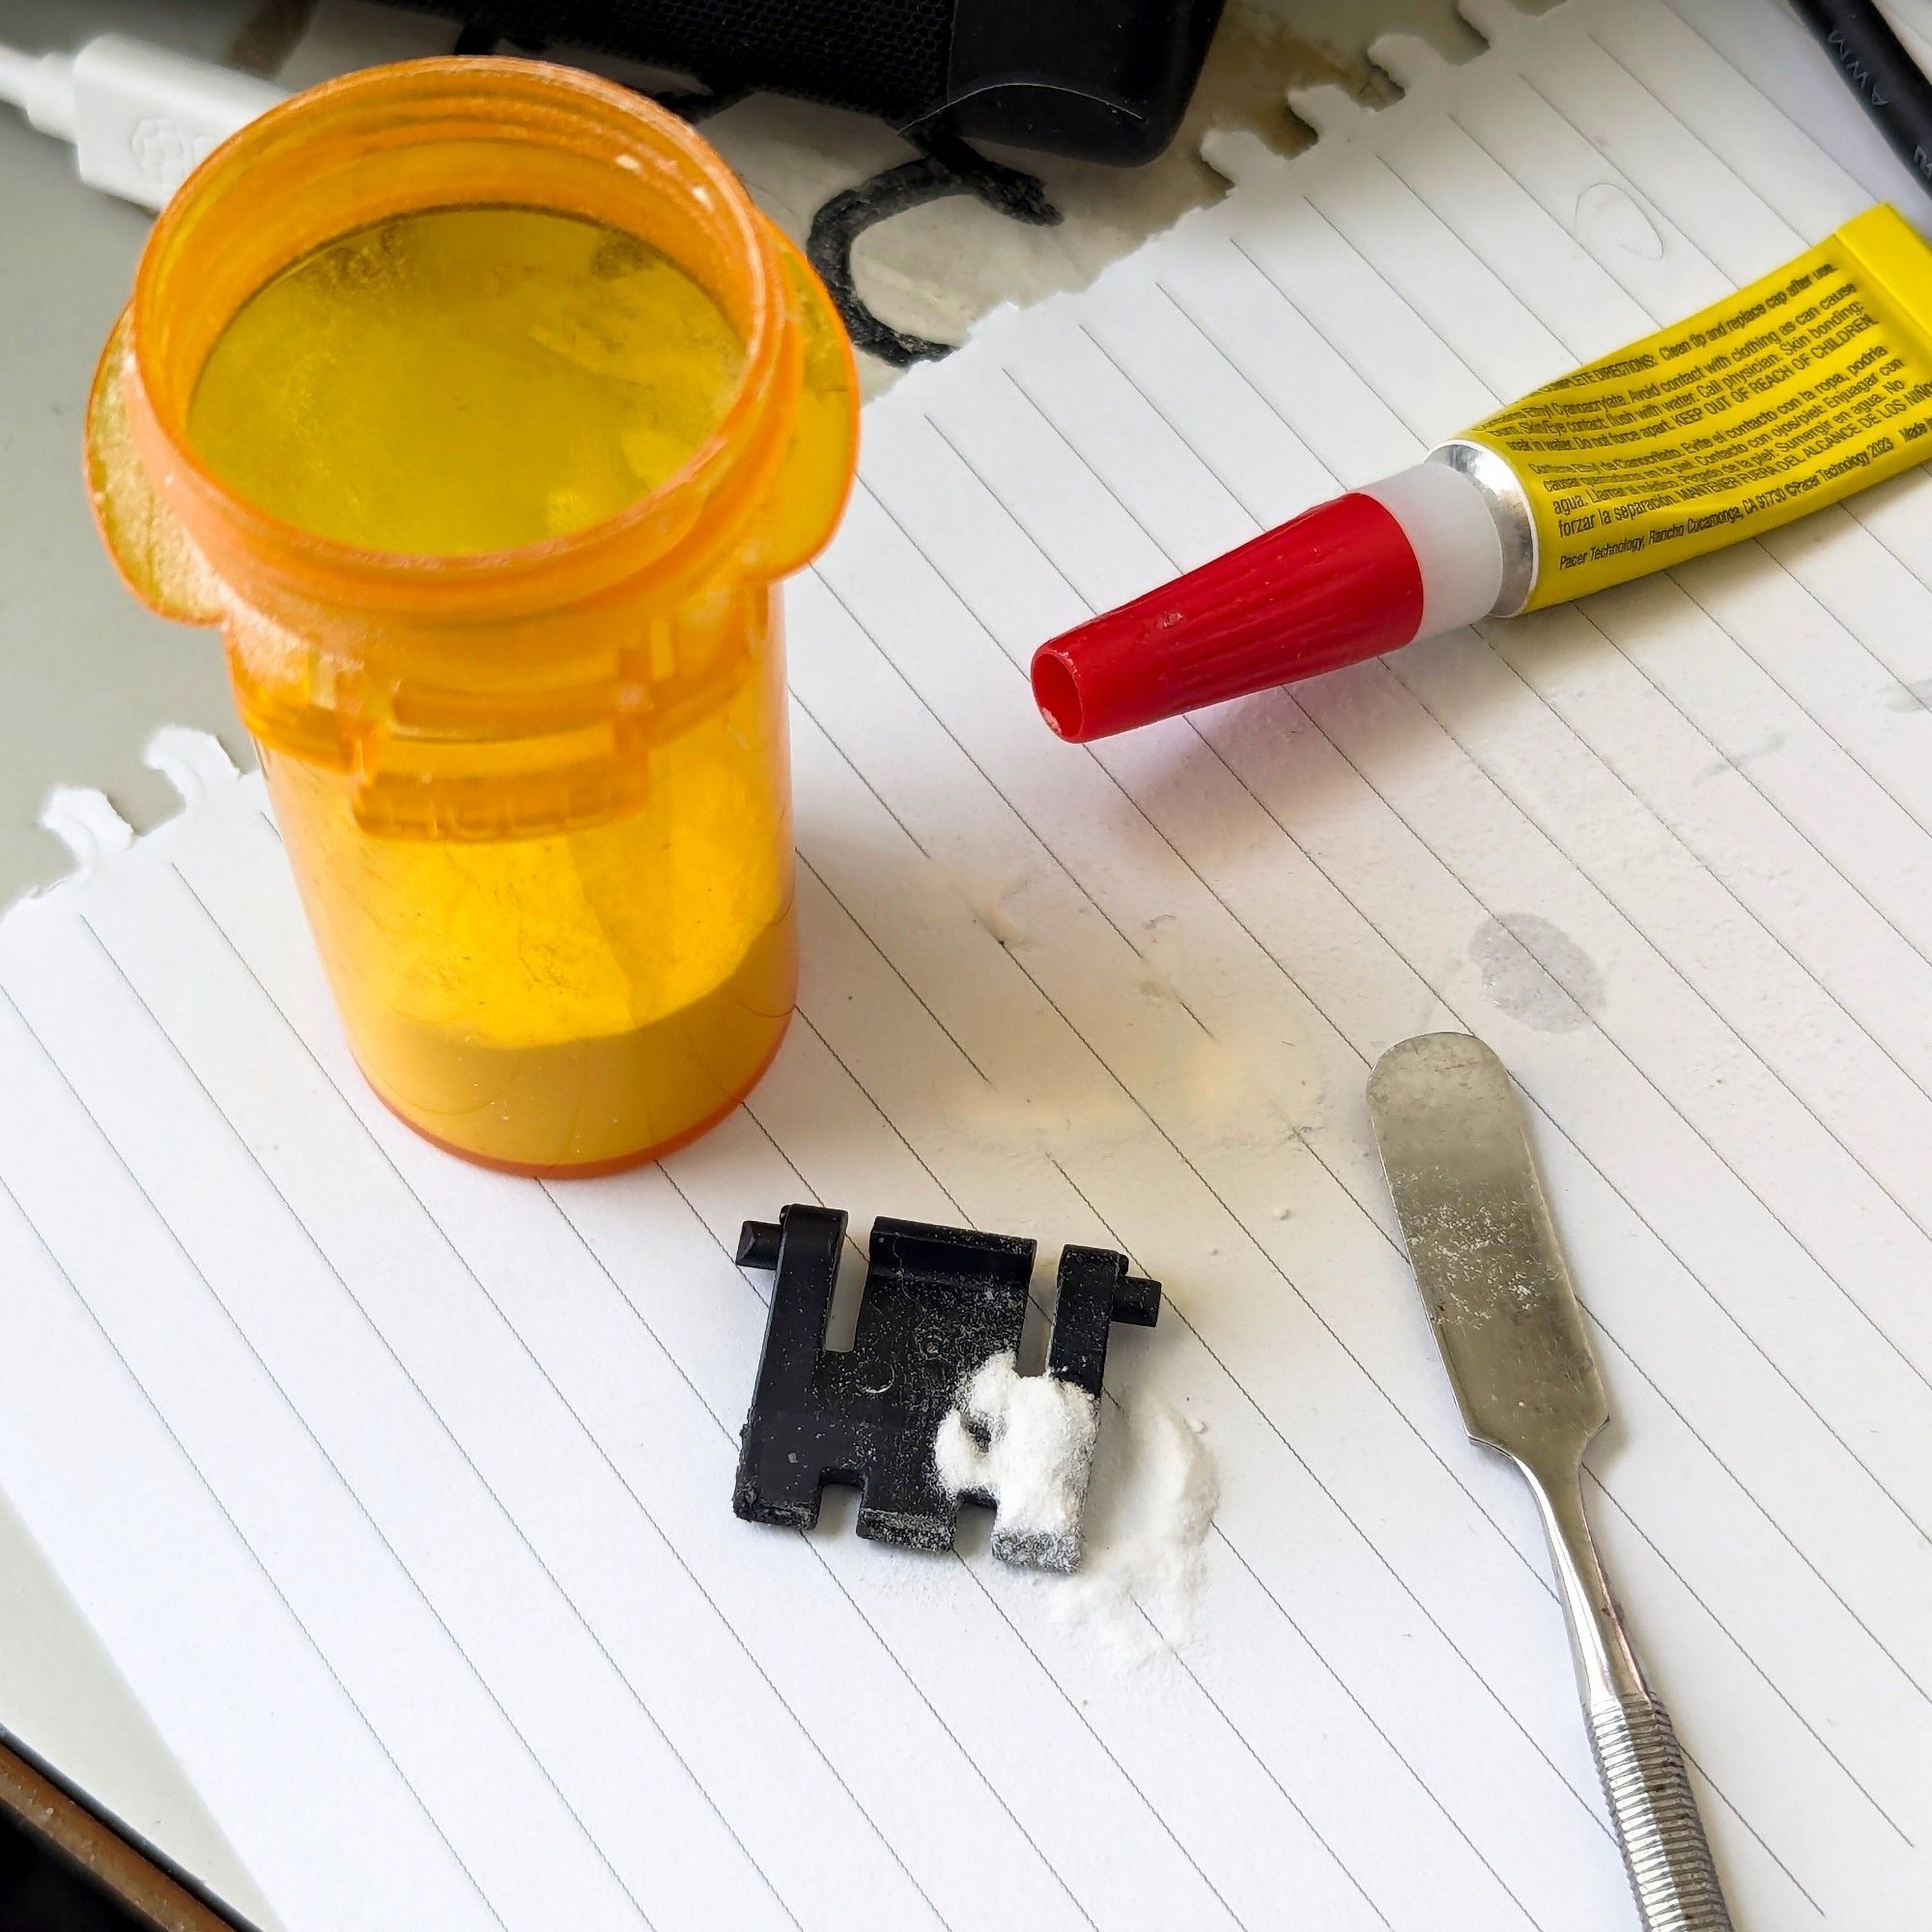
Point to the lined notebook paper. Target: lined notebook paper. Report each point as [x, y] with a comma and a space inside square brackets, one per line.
[400, 1491]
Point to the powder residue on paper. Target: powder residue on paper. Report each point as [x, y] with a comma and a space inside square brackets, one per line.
[1150, 1507]
[1128, 1500]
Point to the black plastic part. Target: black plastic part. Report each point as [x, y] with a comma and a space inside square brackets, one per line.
[1095, 1291]
[938, 1301]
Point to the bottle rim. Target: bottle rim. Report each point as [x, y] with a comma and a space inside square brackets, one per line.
[642, 153]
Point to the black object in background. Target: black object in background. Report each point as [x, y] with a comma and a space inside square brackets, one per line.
[946, 166]
[1105, 80]
[1878, 69]
[65, 1865]
[40, 1892]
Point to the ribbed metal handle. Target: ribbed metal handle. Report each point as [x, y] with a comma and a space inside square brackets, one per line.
[1655, 1814]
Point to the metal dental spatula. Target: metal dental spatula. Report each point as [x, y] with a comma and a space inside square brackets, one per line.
[1512, 1336]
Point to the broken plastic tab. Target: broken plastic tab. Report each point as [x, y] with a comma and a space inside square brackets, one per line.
[938, 1302]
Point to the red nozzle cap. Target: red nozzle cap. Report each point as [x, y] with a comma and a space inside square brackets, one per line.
[1338, 584]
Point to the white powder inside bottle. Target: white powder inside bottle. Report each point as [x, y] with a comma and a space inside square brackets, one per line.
[1136, 1537]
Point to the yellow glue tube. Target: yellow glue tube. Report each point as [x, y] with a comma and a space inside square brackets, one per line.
[1790, 394]
[1808, 385]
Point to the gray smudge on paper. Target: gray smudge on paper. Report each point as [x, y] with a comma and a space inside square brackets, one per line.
[989, 897]
[1611, 222]
[1536, 973]
[1735, 761]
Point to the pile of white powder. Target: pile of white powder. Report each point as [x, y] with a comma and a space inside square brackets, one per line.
[1133, 1518]
[1034, 1461]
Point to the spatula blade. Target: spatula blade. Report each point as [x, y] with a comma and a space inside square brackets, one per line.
[1484, 1248]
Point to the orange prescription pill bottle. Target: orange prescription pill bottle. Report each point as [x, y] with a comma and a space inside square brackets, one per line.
[479, 408]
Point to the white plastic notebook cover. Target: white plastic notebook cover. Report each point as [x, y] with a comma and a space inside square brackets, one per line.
[400, 1491]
